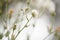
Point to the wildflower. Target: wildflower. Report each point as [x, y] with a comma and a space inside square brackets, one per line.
[34, 13]
[12, 37]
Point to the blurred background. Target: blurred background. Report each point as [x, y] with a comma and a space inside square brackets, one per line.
[39, 32]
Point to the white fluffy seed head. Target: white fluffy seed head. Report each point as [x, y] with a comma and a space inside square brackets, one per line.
[46, 4]
[35, 13]
[51, 8]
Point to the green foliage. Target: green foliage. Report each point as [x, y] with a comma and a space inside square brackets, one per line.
[3, 4]
[1, 35]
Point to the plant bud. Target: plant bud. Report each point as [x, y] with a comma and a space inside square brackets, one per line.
[34, 13]
[14, 27]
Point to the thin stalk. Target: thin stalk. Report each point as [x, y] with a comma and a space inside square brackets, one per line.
[14, 22]
[52, 28]
[48, 35]
[22, 28]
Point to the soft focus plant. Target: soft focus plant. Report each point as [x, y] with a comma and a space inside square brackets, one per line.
[35, 10]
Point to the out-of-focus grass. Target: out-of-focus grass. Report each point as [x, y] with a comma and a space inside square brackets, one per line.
[2, 6]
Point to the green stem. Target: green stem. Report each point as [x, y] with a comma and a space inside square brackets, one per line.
[48, 35]
[52, 28]
[22, 28]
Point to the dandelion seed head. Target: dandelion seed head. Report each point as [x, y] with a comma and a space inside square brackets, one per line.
[34, 13]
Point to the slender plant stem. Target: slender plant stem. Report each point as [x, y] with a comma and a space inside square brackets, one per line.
[49, 35]
[14, 22]
[22, 28]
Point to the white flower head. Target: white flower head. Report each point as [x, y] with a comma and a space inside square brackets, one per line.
[50, 7]
[35, 13]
